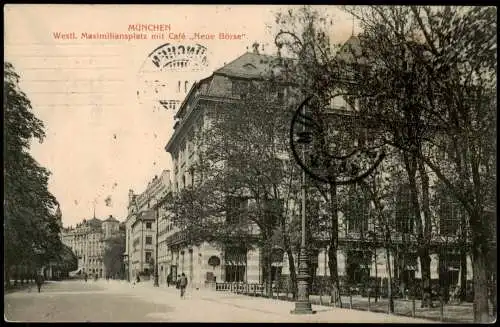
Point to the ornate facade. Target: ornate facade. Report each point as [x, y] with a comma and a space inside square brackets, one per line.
[145, 217]
[88, 241]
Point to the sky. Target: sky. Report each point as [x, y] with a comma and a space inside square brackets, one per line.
[105, 132]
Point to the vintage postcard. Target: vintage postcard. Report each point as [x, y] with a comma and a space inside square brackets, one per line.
[249, 163]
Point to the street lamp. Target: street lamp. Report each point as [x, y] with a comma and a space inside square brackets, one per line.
[303, 305]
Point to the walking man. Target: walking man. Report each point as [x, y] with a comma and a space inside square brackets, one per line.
[169, 279]
[182, 284]
[39, 282]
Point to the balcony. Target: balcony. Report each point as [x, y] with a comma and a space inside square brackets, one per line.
[176, 238]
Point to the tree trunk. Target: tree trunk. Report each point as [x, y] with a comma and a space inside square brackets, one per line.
[332, 249]
[269, 277]
[463, 273]
[291, 261]
[425, 260]
[334, 278]
[481, 310]
[267, 265]
[480, 267]
[376, 275]
[389, 284]
[293, 272]
[423, 236]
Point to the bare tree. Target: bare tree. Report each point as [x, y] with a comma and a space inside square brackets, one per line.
[433, 72]
[243, 160]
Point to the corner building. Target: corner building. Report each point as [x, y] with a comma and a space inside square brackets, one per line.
[205, 264]
[358, 259]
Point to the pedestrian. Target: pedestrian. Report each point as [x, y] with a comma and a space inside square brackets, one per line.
[169, 280]
[177, 281]
[85, 277]
[182, 284]
[39, 282]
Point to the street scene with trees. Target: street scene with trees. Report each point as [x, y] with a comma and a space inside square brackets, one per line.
[412, 149]
[358, 175]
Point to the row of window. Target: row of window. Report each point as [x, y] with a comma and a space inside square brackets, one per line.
[358, 215]
[243, 89]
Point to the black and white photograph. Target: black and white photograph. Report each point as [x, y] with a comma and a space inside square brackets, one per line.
[250, 163]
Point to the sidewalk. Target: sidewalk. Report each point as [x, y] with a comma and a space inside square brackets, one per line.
[210, 306]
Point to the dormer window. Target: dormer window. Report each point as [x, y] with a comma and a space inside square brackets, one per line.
[249, 66]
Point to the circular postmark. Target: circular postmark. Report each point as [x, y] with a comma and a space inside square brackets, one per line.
[333, 146]
[168, 73]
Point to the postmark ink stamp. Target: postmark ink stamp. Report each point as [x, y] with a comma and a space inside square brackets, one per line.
[168, 72]
[331, 146]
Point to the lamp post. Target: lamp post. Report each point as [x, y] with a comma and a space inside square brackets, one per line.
[156, 283]
[303, 305]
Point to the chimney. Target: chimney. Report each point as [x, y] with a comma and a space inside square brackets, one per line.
[255, 46]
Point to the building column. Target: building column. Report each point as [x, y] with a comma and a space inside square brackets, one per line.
[285, 270]
[222, 267]
[434, 266]
[469, 267]
[253, 266]
[341, 262]
[198, 272]
[177, 261]
[322, 263]
[191, 268]
[182, 270]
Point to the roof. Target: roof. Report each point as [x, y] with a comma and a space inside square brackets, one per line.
[351, 50]
[111, 219]
[248, 65]
[94, 221]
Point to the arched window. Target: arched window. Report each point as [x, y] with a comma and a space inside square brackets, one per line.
[185, 86]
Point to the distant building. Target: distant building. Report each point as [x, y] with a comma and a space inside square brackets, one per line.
[141, 229]
[88, 241]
